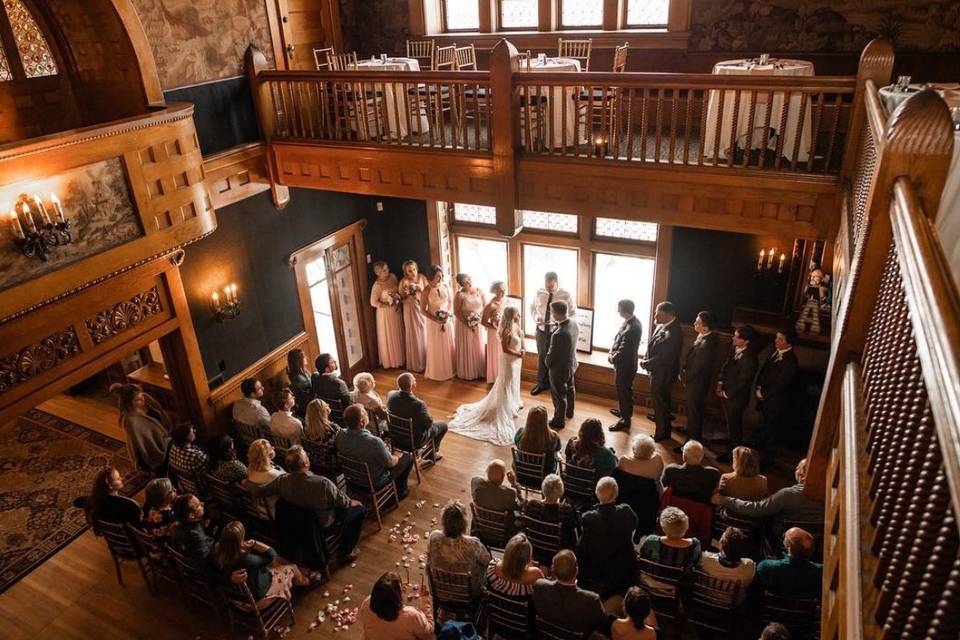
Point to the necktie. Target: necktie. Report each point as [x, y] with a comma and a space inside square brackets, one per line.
[546, 314]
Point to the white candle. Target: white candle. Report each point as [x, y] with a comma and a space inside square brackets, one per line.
[42, 208]
[770, 258]
[783, 257]
[215, 301]
[15, 223]
[26, 212]
[760, 261]
[57, 207]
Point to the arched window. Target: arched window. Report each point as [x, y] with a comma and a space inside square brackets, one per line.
[36, 59]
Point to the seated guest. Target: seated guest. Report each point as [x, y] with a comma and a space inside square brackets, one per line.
[321, 432]
[490, 493]
[745, 481]
[334, 509]
[283, 423]
[730, 562]
[672, 549]
[404, 404]
[105, 502]
[563, 604]
[691, 480]
[249, 409]
[261, 471]
[327, 384]
[192, 535]
[158, 517]
[606, 548]
[384, 616]
[588, 449]
[536, 436]
[551, 510]
[788, 503]
[224, 464]
[364, 394]
[266, 576]
[186, 458]
[515, 573]
[775, 631]
[298, 372]
[356, 443]
[450, 549]
[146, 426]
[794, 575]
[636, 608]
[638, 477]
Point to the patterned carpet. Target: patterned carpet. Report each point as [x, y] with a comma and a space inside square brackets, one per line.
[45, 463]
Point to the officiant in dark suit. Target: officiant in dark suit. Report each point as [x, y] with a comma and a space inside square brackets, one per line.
[663, 364]
[624, 358]
[773, 385]
[561, 362]
[540, 312]
[698, 373]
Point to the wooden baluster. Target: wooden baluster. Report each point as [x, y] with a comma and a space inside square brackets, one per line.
[717, 130]
[797, 135]
[479, 112]
[412, 114]
[643, 125]
[588, 124]
[675, 105]
[702, 134]
[815, 133]
[734, 127]
[934, 579]
[686, 127]
[658, 125]
[751, 110]
[563, 120]
[630, 93]
[834, 127]
[782, 131]
[767, 112]
[617, 119]
[946, 619]
[525, 102]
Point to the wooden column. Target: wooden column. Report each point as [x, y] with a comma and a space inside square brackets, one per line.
[548, 15]
[917, 144]
[612, 10]
[488, 16]
[876, 63]
[504, 61]
[256, 62]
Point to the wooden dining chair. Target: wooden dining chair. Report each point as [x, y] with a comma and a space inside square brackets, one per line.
[342, 61]
[531, 469]
[424, 52]
[465, 58]
[576, 50]
[620, 58]
[321, 57]
[360, 486]
[446, 58]
[490, 526]
[404, 438]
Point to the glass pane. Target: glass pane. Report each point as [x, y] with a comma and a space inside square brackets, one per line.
[485, 261]
[538, 260]
[582, 13]
[617, 278]
[474, 213]
[316, 271]
[561, 222]
[31, 44]
[323, 318]
[627, 229]
[320, 298]
[517, 14]
[647, 13]
[462, 15]
[351, 324]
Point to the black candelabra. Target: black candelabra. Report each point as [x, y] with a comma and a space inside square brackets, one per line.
[41, 232]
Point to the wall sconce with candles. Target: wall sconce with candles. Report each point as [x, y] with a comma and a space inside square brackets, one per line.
[34, 231]
[225, 306]
[769, 260]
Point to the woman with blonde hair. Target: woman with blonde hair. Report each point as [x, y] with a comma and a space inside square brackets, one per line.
[321, 433]
[261, 470]
[146, 426]
[745, 481]
[537, 437]
[515, 573]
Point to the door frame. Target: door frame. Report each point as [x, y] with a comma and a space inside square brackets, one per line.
[298, 261]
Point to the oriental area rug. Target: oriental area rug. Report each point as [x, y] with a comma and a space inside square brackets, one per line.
[45, 464]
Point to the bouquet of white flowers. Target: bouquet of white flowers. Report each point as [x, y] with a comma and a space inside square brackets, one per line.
[473, 321]
[442, 316]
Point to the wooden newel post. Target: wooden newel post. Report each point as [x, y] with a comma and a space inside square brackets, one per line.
[876, 63]
[255, 62]
[504, 61]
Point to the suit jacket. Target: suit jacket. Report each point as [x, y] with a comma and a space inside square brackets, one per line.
[698, 363]
[626, 344]
[606, 547]
[308, 490]
[568, 606]
[691, 481]
[736, 376]
[331, 386]
[561, 357]
[407, 405]
[775, 376]
[663, 350]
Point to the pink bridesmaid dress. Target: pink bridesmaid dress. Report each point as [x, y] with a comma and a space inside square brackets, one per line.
[414, 331]
[440, 347]
[471, 360]
[389, 323]
[494, 348]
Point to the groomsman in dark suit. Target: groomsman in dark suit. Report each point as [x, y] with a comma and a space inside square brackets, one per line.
[773, 384]
[561, 364]
[623, 356]
[697, 374]
[663, 364]
[736, 380]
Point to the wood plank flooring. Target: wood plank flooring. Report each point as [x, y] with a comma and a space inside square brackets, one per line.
[75, 594]
[87, 412]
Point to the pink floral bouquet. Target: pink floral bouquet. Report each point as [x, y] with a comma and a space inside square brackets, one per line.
[473, 321]
[442, 316]
[393, 299]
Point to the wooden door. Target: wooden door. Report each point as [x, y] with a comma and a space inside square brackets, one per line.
[305, 25]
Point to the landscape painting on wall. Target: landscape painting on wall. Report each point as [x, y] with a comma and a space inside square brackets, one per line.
[198, 41]
[96, 202]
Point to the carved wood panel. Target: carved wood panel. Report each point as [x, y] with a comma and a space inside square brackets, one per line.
[38, 358]
[124, 315]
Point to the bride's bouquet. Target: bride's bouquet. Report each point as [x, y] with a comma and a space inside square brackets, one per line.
[442, 315]
[473, 320]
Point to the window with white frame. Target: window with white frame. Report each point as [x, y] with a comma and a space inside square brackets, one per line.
[615, 278]
[581, 14]
[647, 13]
[485, 261]
[537, 261]
[519, 14]
[626, 229]
[461, 15]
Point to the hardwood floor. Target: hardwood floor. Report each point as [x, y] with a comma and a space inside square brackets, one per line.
[87, 412]
[75, 594]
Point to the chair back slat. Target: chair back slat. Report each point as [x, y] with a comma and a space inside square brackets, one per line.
[580, 484]
[187, 483]
[423, 51]
[246, 433]
[282, 443]
[465, 58]
[357, 473]
[801, 617]
[451, 588]
[544, 537]
[321, 57]
[620, 58]
[577, 50]
[508, 615]
[342, 61]
[713, 604]
[531, 468]
[223, 493]
[549, 631]
[490, 526]
[118, 539]
[446, 58]
[402, 437]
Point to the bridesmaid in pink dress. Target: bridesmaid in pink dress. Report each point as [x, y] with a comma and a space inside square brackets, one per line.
[491, 320]
[440, 349]
[468, 308]
[385, 298]
[412, 286]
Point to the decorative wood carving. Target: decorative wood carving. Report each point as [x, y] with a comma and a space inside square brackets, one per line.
[37, 358]
[124, 315]
[236, 174]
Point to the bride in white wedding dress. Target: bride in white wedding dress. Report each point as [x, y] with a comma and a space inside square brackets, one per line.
[494, 418]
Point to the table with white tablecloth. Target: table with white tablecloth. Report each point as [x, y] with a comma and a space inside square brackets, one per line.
[391, 102]
[563, 124]
[743, 125]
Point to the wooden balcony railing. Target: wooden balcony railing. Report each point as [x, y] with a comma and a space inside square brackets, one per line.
[885, 456]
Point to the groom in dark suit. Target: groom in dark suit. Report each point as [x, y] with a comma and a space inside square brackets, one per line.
[663, 364]
[623, 357]
[561, 363]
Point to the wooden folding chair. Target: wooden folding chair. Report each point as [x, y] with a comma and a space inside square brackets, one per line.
[800, 616]
[620, 58]
[713, 606]
[576, 50]
[773, 540]
[225, 495]
[531, 469]
[187, 483]
[244, 435]
[321, 58]
[195, 582]
[549, 631]
[256, 516]
[360, 485]
[403, 438]
[490, 526]
[546, 538]
[452, 592]
[465, 58]
[342, 61]
[248, 615]
[507, 616]
[123, 548]
[661, 583]
[155, 551]
[580, 485]
[446, 58]
[423, 51]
